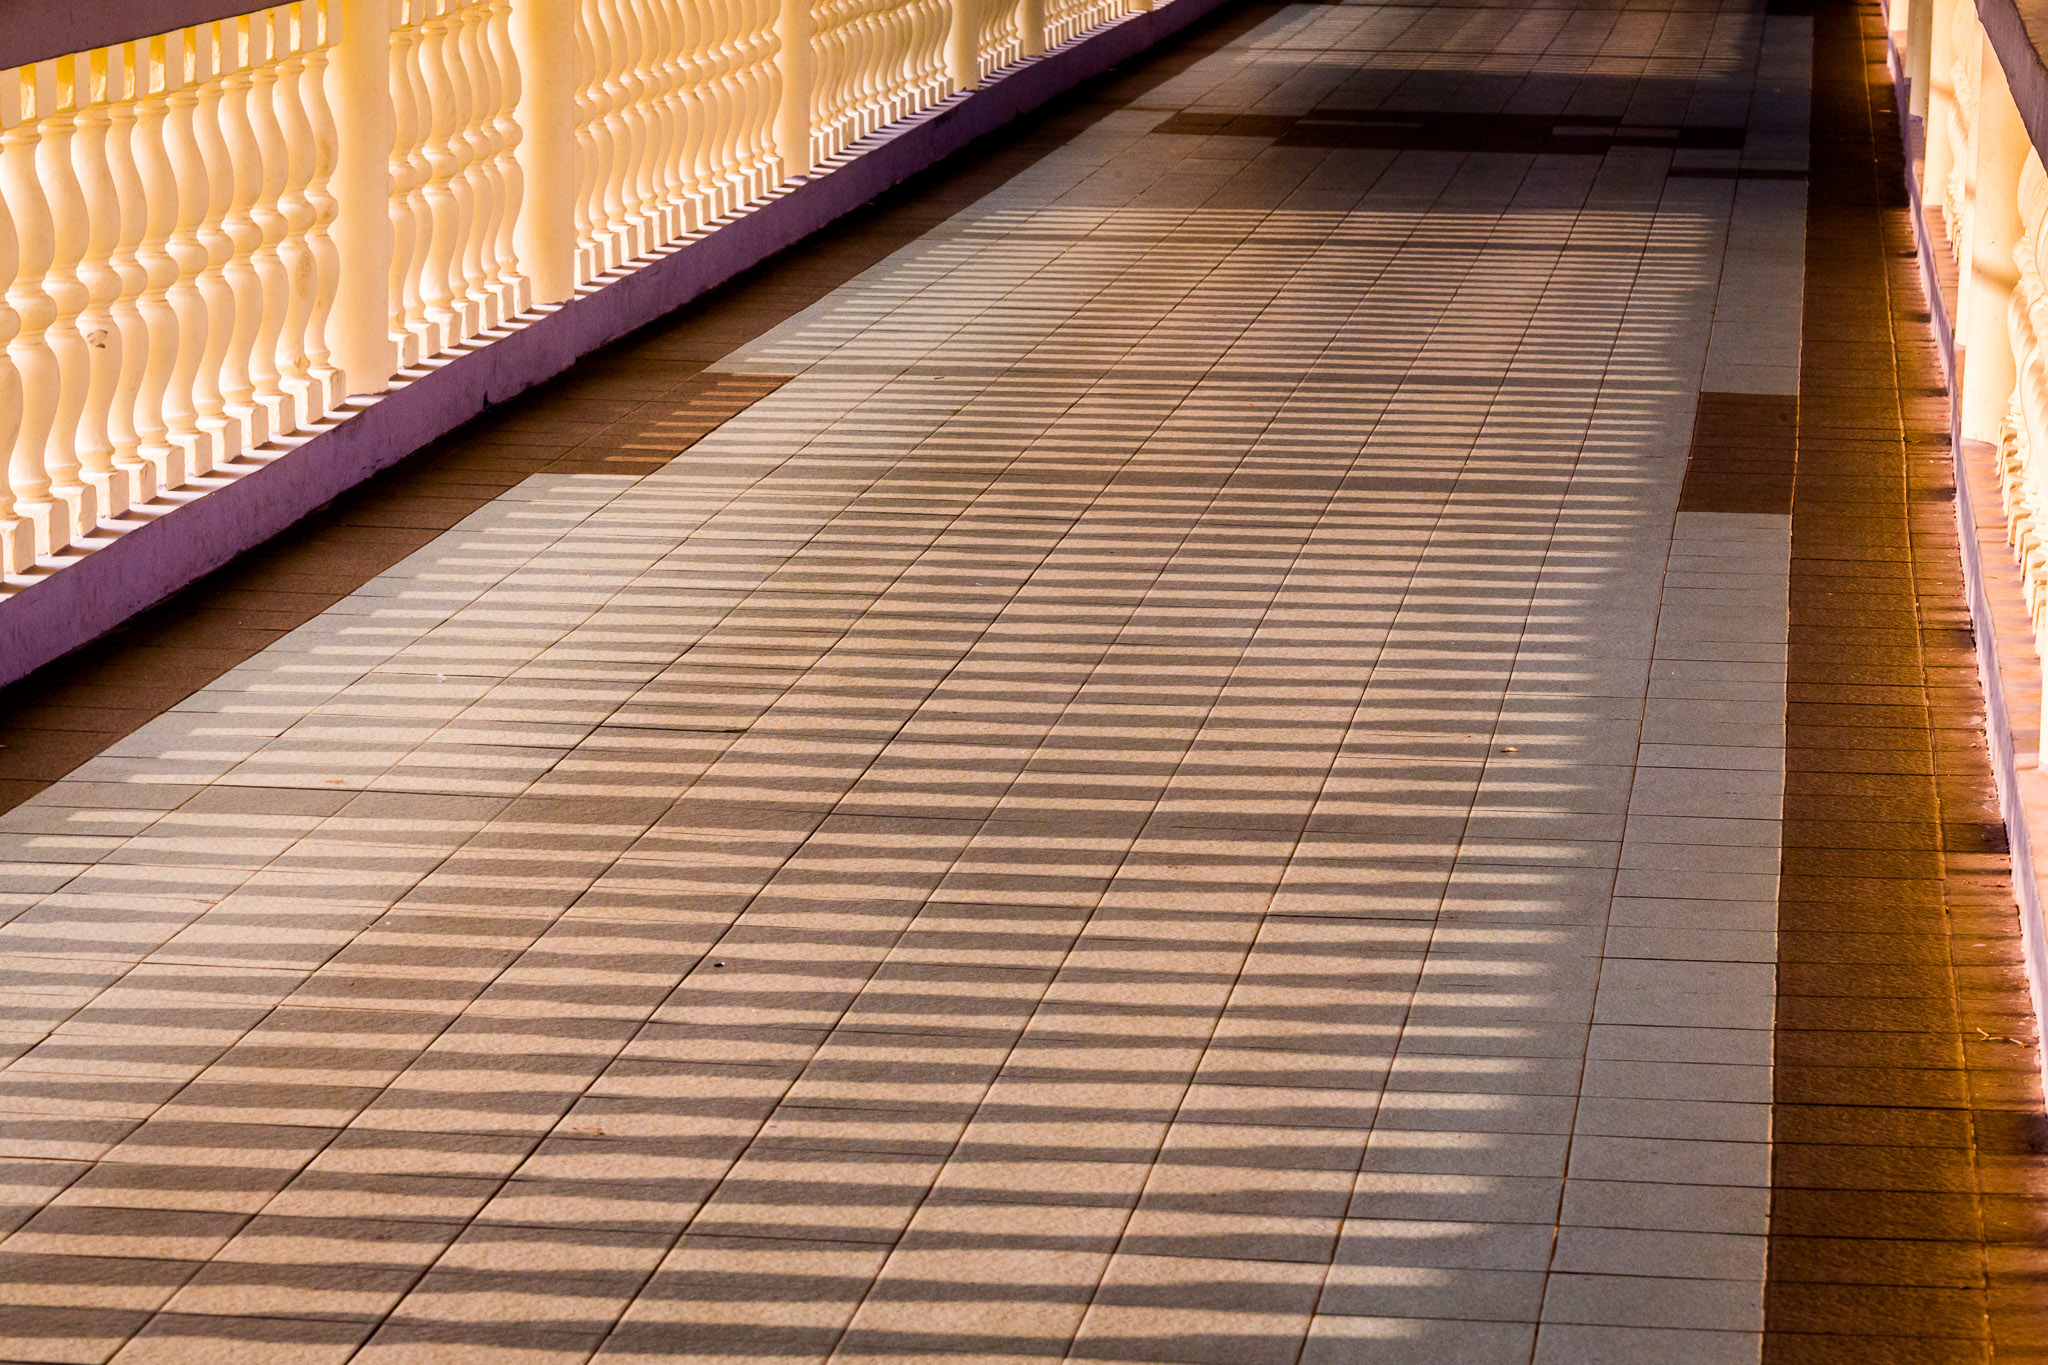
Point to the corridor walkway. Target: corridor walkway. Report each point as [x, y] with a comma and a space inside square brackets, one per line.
[1190, 768]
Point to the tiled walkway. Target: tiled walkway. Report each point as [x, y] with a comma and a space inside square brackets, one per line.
[1181, 785]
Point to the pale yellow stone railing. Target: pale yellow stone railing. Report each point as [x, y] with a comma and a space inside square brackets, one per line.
[1984, 183]
[1975, 77]
[212, 237]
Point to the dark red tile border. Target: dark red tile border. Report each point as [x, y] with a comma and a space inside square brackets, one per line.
[1742, 450]
[1909, 1184]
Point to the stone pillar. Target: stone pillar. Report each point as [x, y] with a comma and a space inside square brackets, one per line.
[359, 93]
[544, 43]
[1999, 151]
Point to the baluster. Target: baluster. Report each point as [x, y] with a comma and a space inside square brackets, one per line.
[513, 286]
[131, 338]
[933, 47]
[633, 123]
[658, 162]
[1951, 189]
[658, 102]
[295, 153]
[437, 115]
[330, 380]
[155, 148]
[830, 116]
[619, 159]
[735, 121]
[871, 84]
[461, 199]
[17, 532]
[76, 504]
[2000, 147]
[218, 371]
[717, 117]
[243, 175]
[589, 153]
[764, 81]
[187, 300]
[675, 120]
[21, 194]
[696, 116]
[272, 174]
[100, 210]
[486, 193]
[410, 225]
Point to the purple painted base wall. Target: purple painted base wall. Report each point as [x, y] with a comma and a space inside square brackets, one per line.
[77, 603]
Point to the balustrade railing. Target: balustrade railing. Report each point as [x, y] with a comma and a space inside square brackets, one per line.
[1983, 199]
[1984, 186]
[213, 237]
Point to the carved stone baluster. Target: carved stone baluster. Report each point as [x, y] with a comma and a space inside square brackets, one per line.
[17, 531]
[618, 168]
[100, 205]
[295, 152]
[655, 210]
[657, 158]
[187, 300]
[411, 224]
[442, 299]
[632, 129]
[242, 173]
[273, 178]
[460, 190]
[78, 512]
[727, 117]
[326, 261]
[764, 98]
[156, 161]
[696, 114]
[670, 178]
[479, 131]
[21, 194]
[513, 284]
[131, 338]
[589, 153]
[746, 100]
[217, 372]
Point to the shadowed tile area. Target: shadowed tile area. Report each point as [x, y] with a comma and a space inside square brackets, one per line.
[1173, 783]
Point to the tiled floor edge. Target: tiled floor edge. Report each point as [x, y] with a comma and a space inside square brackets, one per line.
[88, 594]
[2024, 804]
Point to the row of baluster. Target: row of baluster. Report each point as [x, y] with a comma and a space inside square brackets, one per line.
[169, 266]
[874, 62]
[675, 113]
[1988, 189]
[455, 180]
[171, 255]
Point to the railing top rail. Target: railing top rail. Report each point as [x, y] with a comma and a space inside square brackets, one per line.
[2018, 32]
[33, 30]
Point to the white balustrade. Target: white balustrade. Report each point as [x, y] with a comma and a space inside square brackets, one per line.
[1985, 187]
[211, 238]
[1066, 20]
[873, 62]
[674, 110]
